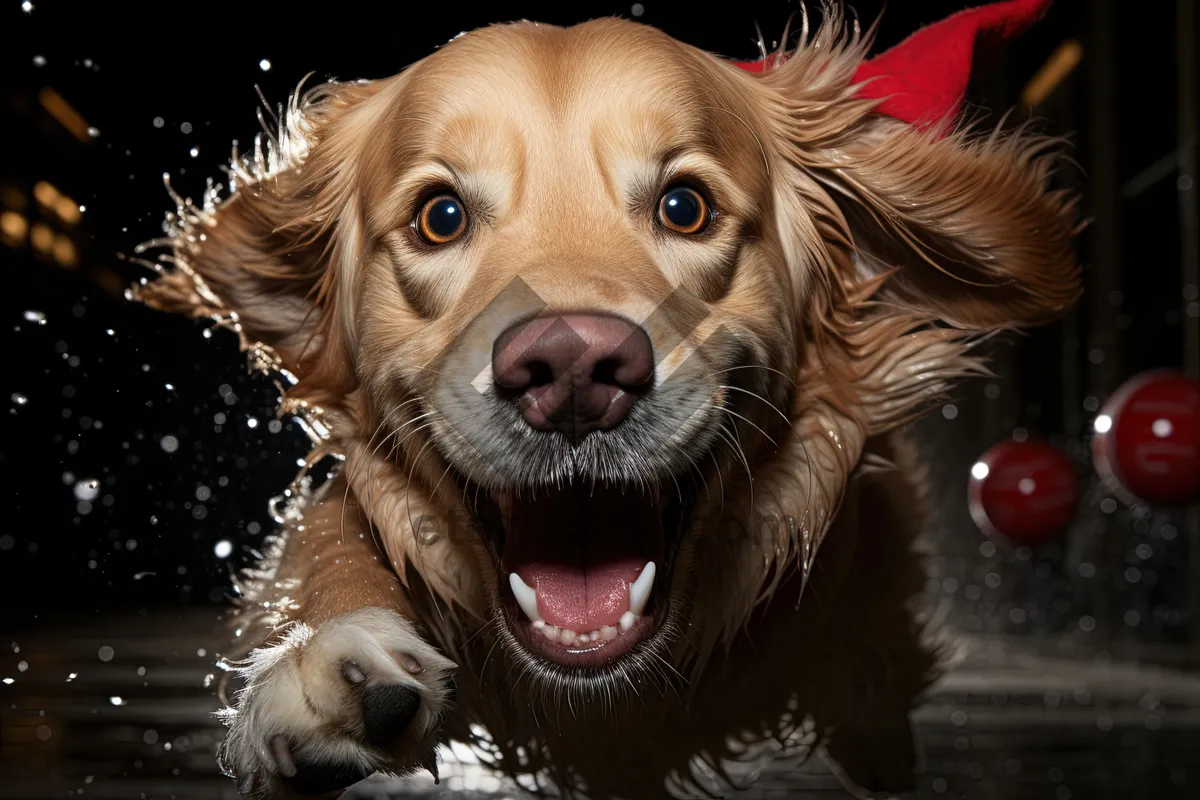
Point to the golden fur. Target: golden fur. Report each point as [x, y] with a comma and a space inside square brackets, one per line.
[858, 260]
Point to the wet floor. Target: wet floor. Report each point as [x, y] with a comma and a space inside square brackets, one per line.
[118, 707]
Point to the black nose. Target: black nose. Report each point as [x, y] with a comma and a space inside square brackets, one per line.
[574, 373]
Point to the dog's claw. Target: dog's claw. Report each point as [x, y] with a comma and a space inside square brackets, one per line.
[246, 786]
[352, 672]
[283, 756]
[409, 664]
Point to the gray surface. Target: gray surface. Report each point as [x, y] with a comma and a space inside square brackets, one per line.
[1002, 725]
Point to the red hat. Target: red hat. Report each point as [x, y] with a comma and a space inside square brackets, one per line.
[924, 78]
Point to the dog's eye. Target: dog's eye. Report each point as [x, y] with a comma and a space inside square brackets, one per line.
[441, 220]
[683, 210]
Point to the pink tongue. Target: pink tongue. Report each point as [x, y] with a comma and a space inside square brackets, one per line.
[580, 549]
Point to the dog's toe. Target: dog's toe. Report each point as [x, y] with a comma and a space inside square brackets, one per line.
[388, 710]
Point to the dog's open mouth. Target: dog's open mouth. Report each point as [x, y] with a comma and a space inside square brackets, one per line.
[585, 570]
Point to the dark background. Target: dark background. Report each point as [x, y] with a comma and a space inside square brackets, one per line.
[101, 513]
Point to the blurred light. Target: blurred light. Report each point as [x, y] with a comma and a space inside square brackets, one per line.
[65, 252]
[68, 117]
[13, 227]
[27, 7]
[1060, 64]
[42, 238]
[52, 199]
[223, 548]
[264, 65]
[67, 210]
[979, 470]
[45, 194]
[1102, 424]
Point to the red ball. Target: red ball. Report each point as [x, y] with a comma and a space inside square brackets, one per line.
[1147, 443]
[1023, 492]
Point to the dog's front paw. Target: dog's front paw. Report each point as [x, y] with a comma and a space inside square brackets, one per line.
[324, 709]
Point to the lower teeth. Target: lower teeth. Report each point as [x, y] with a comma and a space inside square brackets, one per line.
[569, 638]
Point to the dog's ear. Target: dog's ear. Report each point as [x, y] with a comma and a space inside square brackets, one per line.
[907, 240]
[959, 228]
[271, 261]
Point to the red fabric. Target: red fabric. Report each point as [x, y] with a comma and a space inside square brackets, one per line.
[923, 79]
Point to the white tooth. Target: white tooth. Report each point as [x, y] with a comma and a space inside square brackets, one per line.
[551, 633]
[639, 590]
[539, 624]
[567, 636]
[584, 638]
[627, 620]
[526, 597]
[608, 633]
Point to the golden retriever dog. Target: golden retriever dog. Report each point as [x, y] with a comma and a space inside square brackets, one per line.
[612, 338]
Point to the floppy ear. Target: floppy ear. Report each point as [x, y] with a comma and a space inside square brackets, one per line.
[922, 238]
[270, 261]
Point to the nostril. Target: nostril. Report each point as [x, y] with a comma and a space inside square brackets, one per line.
[605, 372]
[540, 374]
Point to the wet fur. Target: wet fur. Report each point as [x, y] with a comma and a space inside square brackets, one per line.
[875, 255]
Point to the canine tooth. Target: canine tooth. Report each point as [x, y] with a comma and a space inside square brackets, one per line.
[526, 597]
[551, 632]
[627, 620]
[567, 636]
[608, 633]
[639, 590]
[539, 623]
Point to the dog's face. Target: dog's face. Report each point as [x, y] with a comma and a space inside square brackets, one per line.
[577, 294]
[588, 290]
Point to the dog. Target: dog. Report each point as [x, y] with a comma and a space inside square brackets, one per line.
[614, 340]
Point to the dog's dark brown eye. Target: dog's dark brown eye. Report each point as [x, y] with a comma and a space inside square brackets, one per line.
[441, 220]
[683, 210]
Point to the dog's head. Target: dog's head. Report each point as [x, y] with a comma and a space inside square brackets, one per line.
[595, 298]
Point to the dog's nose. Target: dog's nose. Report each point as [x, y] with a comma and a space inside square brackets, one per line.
[573, 373]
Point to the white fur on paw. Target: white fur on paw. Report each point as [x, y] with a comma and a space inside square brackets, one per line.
[303, 703]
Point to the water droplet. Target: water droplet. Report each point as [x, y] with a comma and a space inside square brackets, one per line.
[39, 61]
[195, 151]
[35, 316]
[169, 443]
[950, 411]
[223, 548]
[105, 653]
[150, 736]
[116, 700]
[637, 9]
[264, 65]
[87, 489]
[19, 399]
[43, 733]
[8, 681]
[22, 666]
[251, 422]
[93, 132]
[27, 7]
[185, 127]
[208, 680]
